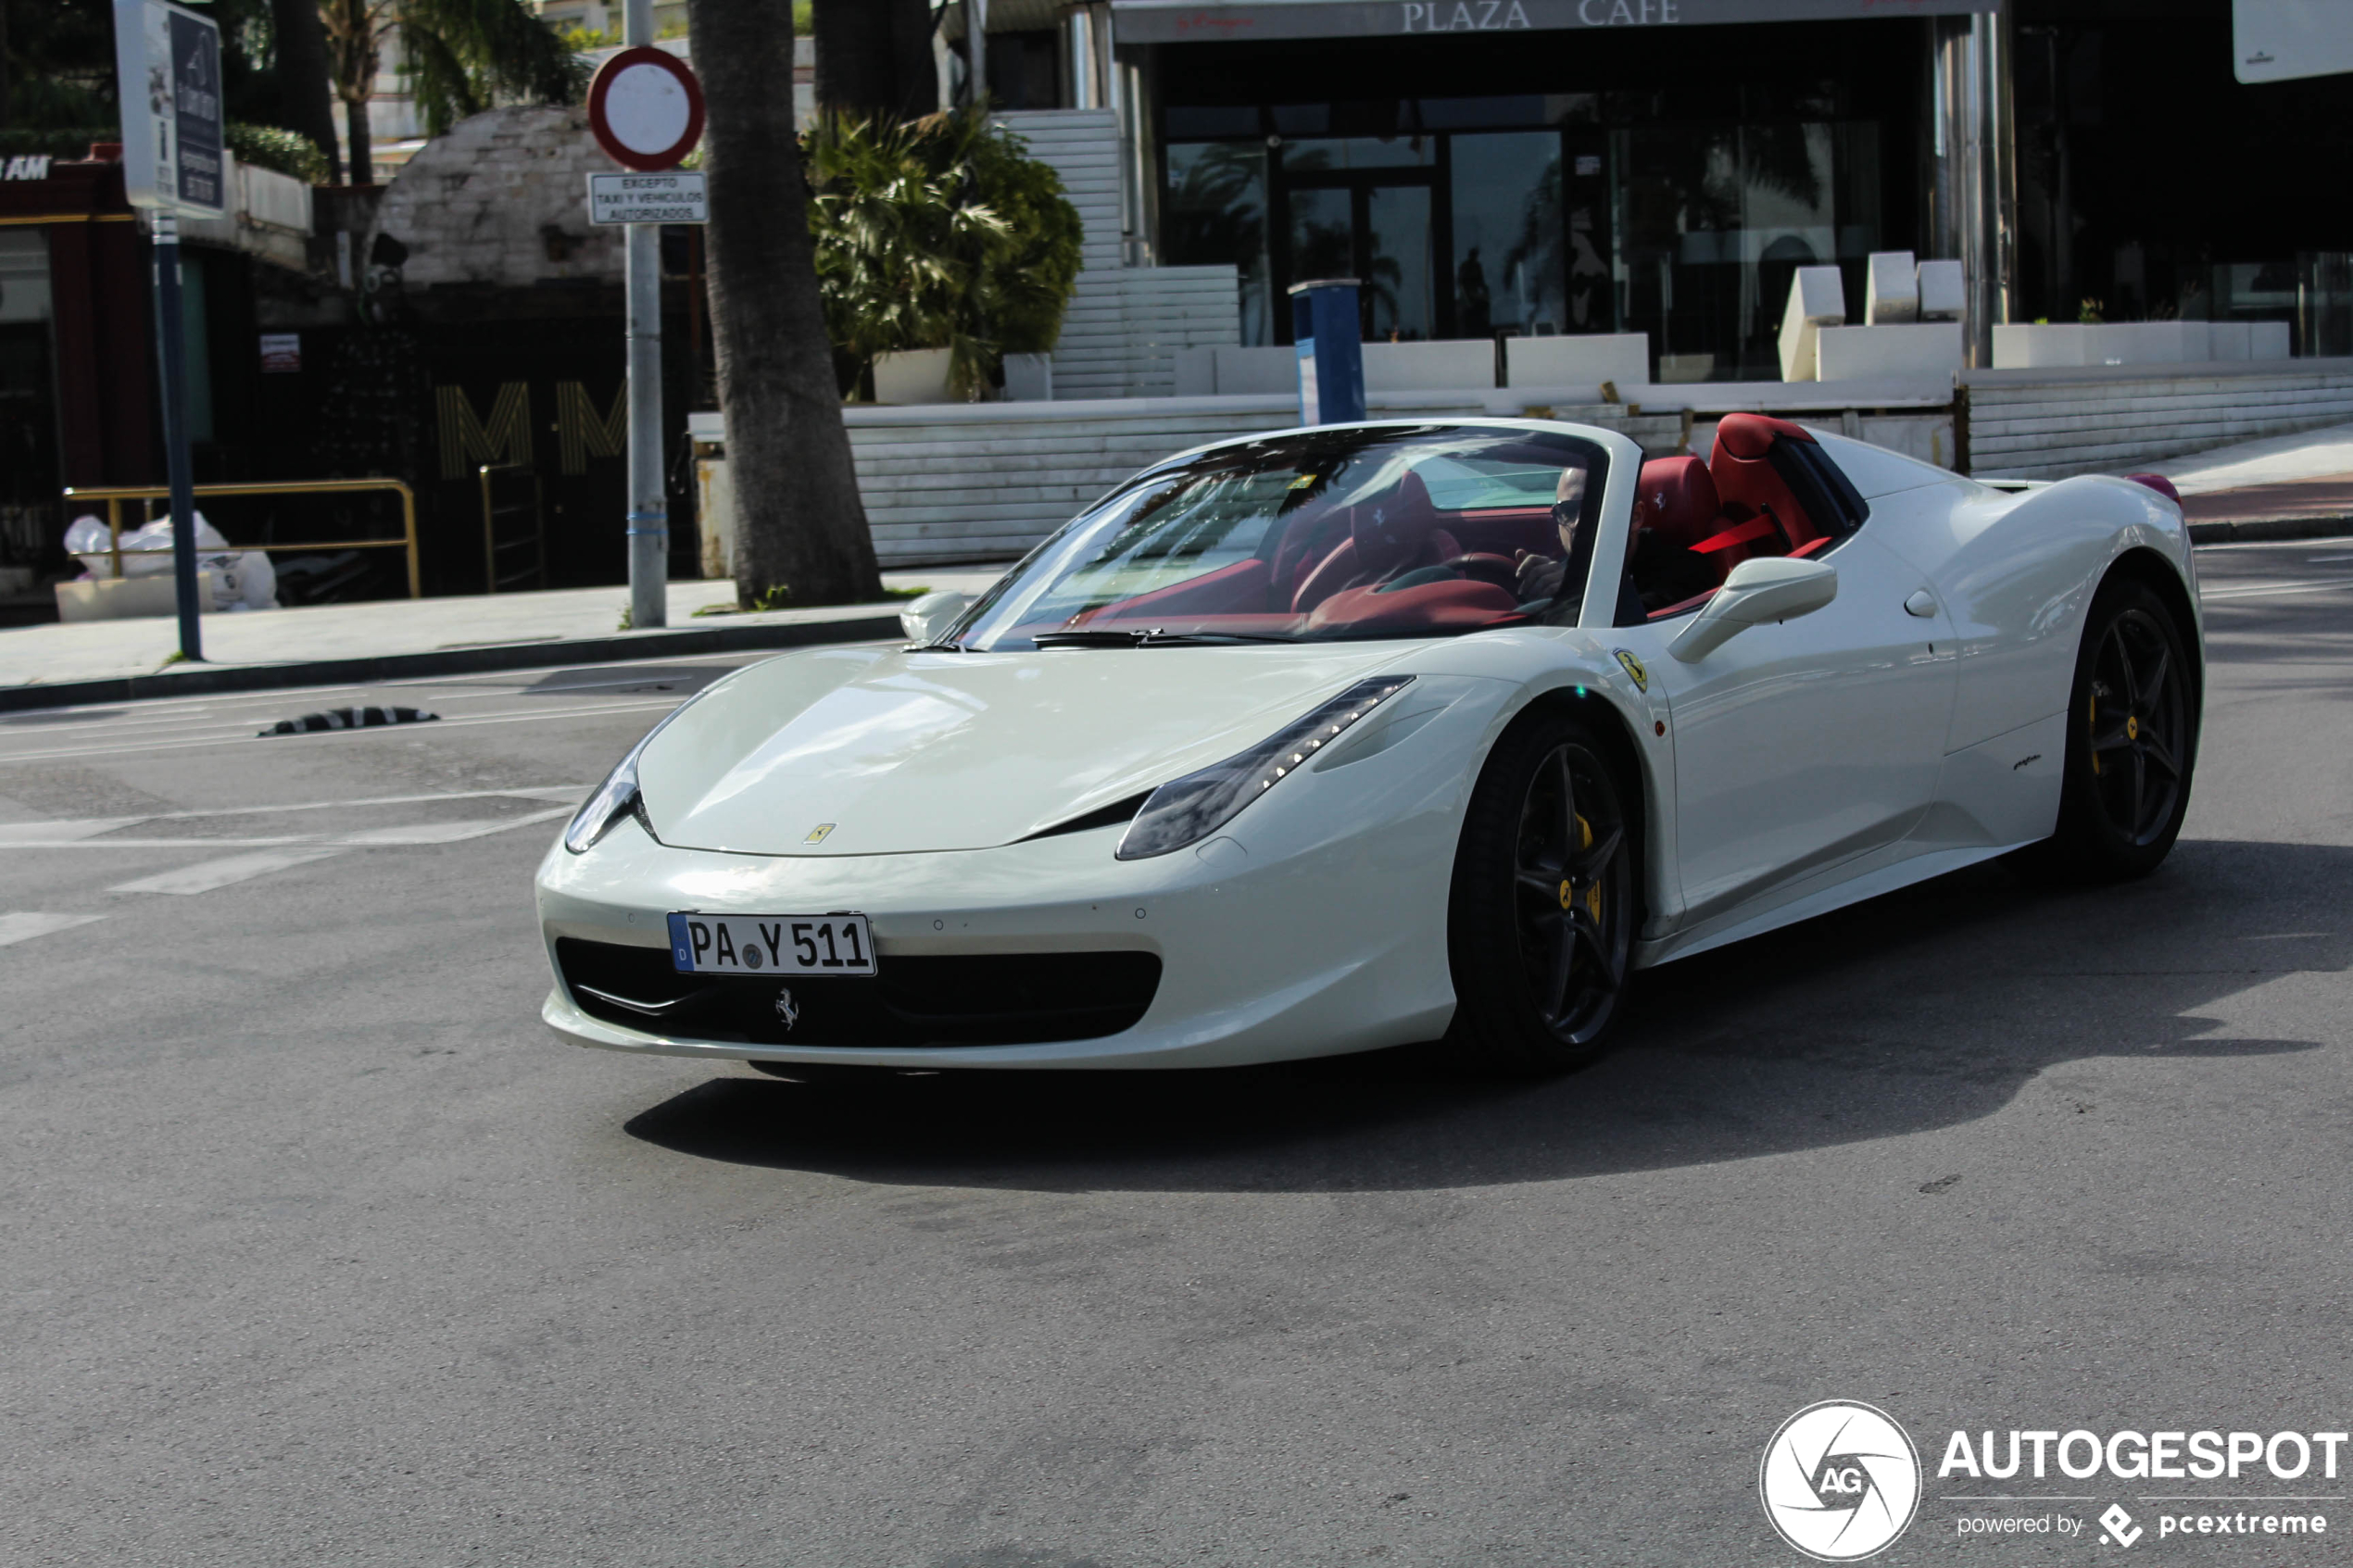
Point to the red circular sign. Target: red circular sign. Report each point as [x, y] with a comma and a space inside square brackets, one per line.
[646, 109]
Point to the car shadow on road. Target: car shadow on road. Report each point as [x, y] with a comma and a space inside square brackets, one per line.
[1928, 1007]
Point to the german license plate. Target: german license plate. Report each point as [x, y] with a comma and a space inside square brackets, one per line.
[771, 944]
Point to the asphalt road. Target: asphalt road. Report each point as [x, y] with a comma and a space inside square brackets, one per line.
[319, 1248]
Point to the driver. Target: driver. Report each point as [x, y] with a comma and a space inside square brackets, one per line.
[1556, 584]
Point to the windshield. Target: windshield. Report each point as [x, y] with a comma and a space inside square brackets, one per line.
[1395, 531]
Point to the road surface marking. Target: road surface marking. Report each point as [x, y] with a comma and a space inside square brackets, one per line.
[445, 833]
[64, 830]
[206, 875]
[19, 925]
[242, 735]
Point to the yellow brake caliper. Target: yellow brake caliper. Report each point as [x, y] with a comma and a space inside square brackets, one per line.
[1592, 893]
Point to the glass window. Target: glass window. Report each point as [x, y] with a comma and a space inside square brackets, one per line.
[1323, 235]
[1329, 154]
[1713, 222]
[1397, 263]
[1396, 530]
[1215, 212]
[1509, 253]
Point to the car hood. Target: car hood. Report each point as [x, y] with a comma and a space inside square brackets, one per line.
[870, 751]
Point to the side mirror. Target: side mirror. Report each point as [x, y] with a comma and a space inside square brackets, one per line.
[927, 619]
[1769, 588]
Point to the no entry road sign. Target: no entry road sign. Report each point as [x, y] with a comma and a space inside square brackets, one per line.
[645, 107]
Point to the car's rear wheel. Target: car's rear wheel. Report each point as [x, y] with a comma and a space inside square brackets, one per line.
[2131, 737]
[1541, 925]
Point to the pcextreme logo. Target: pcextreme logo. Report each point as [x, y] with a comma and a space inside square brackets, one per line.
[1840, 1481]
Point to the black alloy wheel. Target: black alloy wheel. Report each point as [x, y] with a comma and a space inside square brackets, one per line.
[1540, 931]
[2131, 737]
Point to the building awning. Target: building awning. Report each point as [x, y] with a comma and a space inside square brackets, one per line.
[1201, 21]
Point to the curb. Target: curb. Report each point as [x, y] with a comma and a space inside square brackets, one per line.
[203, 679]
[2254, 529]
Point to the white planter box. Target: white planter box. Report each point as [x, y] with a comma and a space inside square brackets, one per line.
[2018, 347]
[1029, 378]
[1467, 365]
[1918, 348]
[1585, 360]
[1943, 291]
[1816, 299]
[2270, 340]
[1262, 372]
[124, 598]
[914, 375]
[1891, 290]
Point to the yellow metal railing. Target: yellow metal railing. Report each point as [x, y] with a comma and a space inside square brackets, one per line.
[114, 495]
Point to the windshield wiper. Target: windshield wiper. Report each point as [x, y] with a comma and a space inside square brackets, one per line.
[1145, 637]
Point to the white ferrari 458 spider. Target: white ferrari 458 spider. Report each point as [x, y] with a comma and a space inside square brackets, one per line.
[1355, 736]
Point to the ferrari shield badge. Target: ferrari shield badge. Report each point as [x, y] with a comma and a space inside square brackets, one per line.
[1634, 668]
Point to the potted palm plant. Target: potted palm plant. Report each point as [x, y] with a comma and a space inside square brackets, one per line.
[941, 248]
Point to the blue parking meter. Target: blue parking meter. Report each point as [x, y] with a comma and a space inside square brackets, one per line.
[1332, 351]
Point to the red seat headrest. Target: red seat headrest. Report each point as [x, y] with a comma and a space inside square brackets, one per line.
[1391, 529]
[1751, 435]
[1677, 501]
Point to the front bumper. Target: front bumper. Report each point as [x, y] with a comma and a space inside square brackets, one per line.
[1336, 946]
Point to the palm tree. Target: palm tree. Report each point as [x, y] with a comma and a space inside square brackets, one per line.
[299, 40]
[462, 57]
[801, 529]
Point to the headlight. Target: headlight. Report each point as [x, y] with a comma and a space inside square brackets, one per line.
[617, 797]
[1184, 810]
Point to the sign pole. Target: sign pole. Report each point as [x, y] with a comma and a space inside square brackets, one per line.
[178, 469]
[648, 500]
[167, 76]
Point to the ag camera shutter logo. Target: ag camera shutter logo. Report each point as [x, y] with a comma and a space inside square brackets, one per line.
[1840, 1481]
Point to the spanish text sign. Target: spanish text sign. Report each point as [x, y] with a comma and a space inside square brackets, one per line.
[646, 198]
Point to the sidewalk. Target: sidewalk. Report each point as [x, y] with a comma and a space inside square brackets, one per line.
[2285, 487]
[55, 665]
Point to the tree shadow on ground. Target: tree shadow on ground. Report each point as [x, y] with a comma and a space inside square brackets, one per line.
[1924, 1009]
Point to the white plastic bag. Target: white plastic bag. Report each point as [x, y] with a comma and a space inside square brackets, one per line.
[241, 579]
[87, 542]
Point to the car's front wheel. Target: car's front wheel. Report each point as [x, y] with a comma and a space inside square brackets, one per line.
[2131, 737]
[1541, 924]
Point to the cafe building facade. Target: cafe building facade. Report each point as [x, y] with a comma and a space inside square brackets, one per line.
[1503, 168]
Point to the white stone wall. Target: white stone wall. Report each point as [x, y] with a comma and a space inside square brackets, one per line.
[503, 199]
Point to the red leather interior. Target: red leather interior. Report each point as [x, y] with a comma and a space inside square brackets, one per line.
[1676, 501]
[1756, 530]
[1747, 484]
[1437, 606]
[1385, 537]
[1227, 591]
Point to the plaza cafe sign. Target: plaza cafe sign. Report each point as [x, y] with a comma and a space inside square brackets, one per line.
[1197, 21]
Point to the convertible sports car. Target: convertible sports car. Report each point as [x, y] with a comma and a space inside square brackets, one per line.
[1355, 736]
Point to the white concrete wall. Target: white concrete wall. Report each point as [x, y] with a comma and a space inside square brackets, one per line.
[2048, 424]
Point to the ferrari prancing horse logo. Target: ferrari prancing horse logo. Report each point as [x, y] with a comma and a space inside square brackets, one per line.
[1634, 668]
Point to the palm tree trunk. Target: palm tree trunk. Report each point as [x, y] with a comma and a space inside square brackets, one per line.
[358, 149]
[800, 525]
[307, 103]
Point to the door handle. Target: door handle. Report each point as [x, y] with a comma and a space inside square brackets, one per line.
[1922, 603]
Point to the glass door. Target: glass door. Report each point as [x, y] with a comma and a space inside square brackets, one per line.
[1379, 233]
